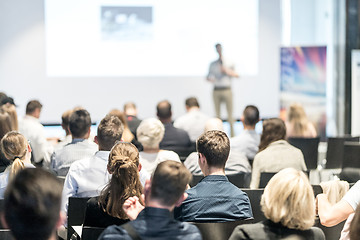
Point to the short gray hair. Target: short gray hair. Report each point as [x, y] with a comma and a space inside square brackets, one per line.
[150, 132]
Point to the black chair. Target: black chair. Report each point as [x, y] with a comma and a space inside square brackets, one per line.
[241, 180]
[331, 233]
[335, 151]
[76, 213]
[5, 234]
[317, 189]
[309, 148]
[91, 233]
[255, 198]
[351, 175]
[351, 155]
[265, 178]
[218, 231]
[195, 180]
[1, 210]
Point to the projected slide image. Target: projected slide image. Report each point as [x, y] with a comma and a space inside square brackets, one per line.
[126, 23]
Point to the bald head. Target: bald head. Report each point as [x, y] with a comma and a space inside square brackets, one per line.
[164, 111]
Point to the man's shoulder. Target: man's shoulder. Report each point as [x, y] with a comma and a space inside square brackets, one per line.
[114, 233]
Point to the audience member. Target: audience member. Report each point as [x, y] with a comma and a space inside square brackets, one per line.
[298, 124]
[2, 96]
[32, 129]
[150, 133]
[130, 111]
[80, 146]
[288, 205]
[193, 122]
[331, 215]
[214, 198]
[17, 151]
[5, 127]
[88, 176]
[237, 161]
[124, 167]
[163, 192]
[355, 225]
[65, 120]
[174, 138]
[11, 110]
[275, 153]
[127, 135]
[32, 205]
[248, 141]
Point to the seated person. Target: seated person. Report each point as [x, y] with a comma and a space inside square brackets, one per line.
[80, 146]
[162, 193]
[236, 163]
[355, 225]
[32, 205]
[275, 153]
[288, 204]
[214, 198]
[17, 151]
[298, 124]
[150, 133]
[106, 209]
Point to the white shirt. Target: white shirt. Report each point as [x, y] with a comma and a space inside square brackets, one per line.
[149, 161]
[32, 129]
[193, 122]
[247, 142]
[221, 79]
[87, 177]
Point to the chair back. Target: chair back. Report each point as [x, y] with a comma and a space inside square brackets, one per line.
[255, 198]
[335, 151]
[91, 233]
[5, 234]
[331, 233]
[195, 180]
[241, 180]
[220, 230]
[76, 213]
[309, 148]
[351, 155]
[265, 178]
[1, 211]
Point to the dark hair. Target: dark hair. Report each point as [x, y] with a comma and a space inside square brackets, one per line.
[251, 115]
[274, 129]
[215, 146]
[109, 131]
[169, 182]
[125, 181]
[163, 109]
[79, 123]
[192, 102]
[32, 204]
[32, 106]
[355, 225]
[218, 45]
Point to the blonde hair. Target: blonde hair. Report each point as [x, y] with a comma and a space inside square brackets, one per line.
[335, 190]
[14, 146]
[150, 132]
[11, 110]
[214, 124]
[289, 199]
[125, 181]
[127, 136]
[298, 119]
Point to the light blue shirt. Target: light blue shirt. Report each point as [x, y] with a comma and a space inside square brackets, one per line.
[247, 142]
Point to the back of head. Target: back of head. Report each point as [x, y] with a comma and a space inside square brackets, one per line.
[214, 124]
[130, 108]
[298, 119]
[65, 119]
[120, 115]
[251, 115]
[274, 129]
[109, 131]
[80, 123]
[14, 146]
[123, 165]
[11, 110]
[215, 146]
[335, 190]
[163, 110]
[32, 106]
[5, 123]
[150, 133]
[192, 102]
[32, 204]
[289, 199]
[169, 182]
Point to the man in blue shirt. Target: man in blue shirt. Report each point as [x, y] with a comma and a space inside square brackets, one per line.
[163, 192]
[214, 198]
